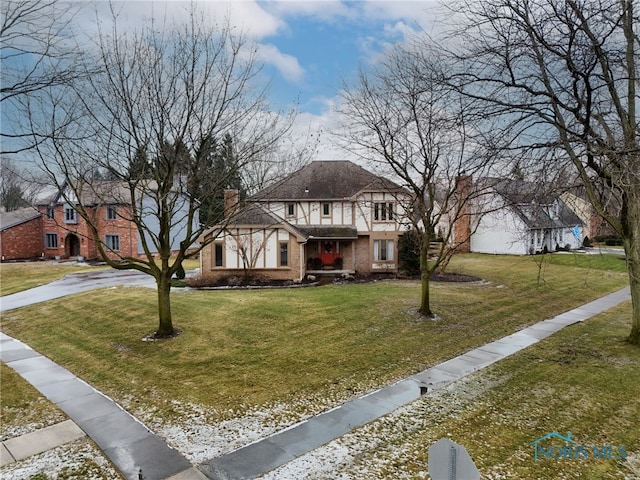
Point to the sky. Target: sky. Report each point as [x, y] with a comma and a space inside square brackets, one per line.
[309, 48]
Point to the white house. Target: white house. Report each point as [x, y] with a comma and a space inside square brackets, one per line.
[519, 218]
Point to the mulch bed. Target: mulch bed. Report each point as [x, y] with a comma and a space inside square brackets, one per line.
[453, 277]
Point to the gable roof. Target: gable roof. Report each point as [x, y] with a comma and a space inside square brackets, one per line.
[104, 192]
[326, 180]
[532, 201]
[17, 217]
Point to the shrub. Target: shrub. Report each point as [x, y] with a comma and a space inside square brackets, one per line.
[409, 253]
[586, 242]
[180, 273]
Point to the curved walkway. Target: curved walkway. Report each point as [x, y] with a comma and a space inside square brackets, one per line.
[139, 453]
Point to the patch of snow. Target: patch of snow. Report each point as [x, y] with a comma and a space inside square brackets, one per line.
[81, 457]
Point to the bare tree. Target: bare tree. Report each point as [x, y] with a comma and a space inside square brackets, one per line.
[402, 117]
[249, 245]
[37, 52]
[144, 121]
[562, 78]
[18, 187]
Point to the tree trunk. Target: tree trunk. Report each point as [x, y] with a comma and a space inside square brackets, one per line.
[165, 323]
[425, 306]
[632, 252]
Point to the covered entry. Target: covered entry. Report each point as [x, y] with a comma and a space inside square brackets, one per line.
[330, 248]
[72, 245]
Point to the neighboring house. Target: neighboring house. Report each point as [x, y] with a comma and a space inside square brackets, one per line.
[519, 218]
[594, 224]
[21, 234]
[328, 217]
[66, 234]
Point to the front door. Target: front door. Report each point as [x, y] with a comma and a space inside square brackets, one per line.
[72, 245]
[328, 251]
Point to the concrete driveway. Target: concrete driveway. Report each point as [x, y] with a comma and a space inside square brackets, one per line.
[75, 283]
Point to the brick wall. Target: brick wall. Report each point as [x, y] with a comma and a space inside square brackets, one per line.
[363, 256]
[22, 241]
[462, 224]
[79, 232]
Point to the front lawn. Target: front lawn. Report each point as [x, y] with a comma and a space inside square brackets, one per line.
[307, 347]
[584, 380]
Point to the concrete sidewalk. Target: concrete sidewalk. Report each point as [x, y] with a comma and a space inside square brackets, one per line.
[130, 446]
[269, 453]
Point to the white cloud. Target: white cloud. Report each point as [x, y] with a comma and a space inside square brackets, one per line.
[247, 15]
[287, 65]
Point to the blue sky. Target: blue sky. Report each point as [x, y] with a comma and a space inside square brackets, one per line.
[308, 48]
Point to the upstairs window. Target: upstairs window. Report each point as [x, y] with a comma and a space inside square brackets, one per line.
[326, 209]
[70, 215]
[383, 212]
[291, 209]
[111, 213]
[51, 212]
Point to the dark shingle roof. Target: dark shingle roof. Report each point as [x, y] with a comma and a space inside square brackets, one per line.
[532, 202]
[328, 232]
[254, 214]
[326, 180]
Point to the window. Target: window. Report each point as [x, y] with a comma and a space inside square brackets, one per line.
[383, 211]
[70, 215]
[218, 254]
[284, 254]
[111, 213]
[51, 240]
[383, 250]
[51, 212]
[112, 242]
[326, 209]
[291, 209]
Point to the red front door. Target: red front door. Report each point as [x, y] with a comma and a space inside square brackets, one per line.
[328, 251]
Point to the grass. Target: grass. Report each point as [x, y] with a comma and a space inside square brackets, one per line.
[241, 349]
[23, 408]
[584, 379]
[19, 276]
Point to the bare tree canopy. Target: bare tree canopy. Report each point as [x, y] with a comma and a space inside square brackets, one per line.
[147, 122]
[37, 51]
[561, 76]
[403, 117]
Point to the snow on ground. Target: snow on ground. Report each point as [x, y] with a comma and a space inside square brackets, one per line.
[372, 449]
[79, 459]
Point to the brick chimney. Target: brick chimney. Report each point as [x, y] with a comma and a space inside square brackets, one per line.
[231, 200]
[462, 224]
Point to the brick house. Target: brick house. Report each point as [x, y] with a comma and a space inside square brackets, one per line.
[21, 234]
[329, 217]
[66, 234]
